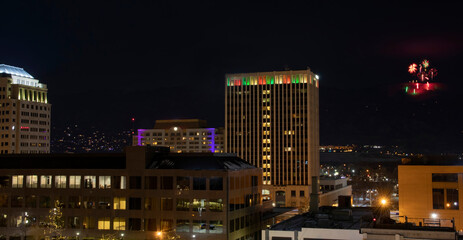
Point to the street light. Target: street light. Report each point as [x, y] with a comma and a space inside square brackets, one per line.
[383, 202]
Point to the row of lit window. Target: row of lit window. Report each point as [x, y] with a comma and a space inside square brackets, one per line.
[32, 181]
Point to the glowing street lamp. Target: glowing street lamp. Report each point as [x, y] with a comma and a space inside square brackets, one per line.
[383, 202]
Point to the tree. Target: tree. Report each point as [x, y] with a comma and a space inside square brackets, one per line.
[54, 224]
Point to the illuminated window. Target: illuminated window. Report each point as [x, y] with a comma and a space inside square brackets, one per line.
[199, 226]
[104, 223]
[105, 182]
[216, 205]
[120, 203]
[183, 225]
[60, 181]
[74, 181]
[288, 149]
[119, 223]
[183, 204]
[89, 181]
[199, 205]
[266, 140]
[17, 181]
[31, 181]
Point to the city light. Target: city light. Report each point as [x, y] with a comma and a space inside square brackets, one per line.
[434, 215]
[383, 202]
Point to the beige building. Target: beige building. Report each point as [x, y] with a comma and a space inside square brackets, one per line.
[429, 194]
[271, 121]
[331, 188]
[144, 193]
[25, 112]
[182, 136]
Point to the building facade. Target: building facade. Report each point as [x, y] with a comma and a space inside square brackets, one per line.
[271, 121]
[144, 193]
[25, 112]
[182, 136]
[351, 223]
[429, 194]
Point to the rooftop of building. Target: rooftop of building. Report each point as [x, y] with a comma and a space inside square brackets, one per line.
[63, 161]
[14, 71]
[156, 158]
[272, 73]
[199, 161]
[181, 123]
[347, 218]
[433, 160]
[328, 217]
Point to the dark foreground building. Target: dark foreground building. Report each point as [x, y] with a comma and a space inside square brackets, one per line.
[143, 193]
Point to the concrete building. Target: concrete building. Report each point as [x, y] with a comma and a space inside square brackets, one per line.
[144, 193]
[351, 223]
[429, 193]
[331, 188]
[182, 136]
[271, 121]
[25, 112]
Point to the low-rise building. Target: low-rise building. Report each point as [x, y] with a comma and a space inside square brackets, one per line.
[331, 188]
[182, 136]
[350, 223]
[429, 192]
[143, 193]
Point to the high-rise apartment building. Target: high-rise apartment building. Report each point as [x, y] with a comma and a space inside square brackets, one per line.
[182, 136]
[24, 112]
[271, 120]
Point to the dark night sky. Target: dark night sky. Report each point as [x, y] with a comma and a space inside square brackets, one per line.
[106, 61]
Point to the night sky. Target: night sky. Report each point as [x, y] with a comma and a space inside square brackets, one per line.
[107, 61]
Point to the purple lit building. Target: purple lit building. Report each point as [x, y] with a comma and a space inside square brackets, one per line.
[182, 136]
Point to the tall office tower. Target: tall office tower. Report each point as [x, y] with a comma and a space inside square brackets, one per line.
[271, 120]
[24, 112]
